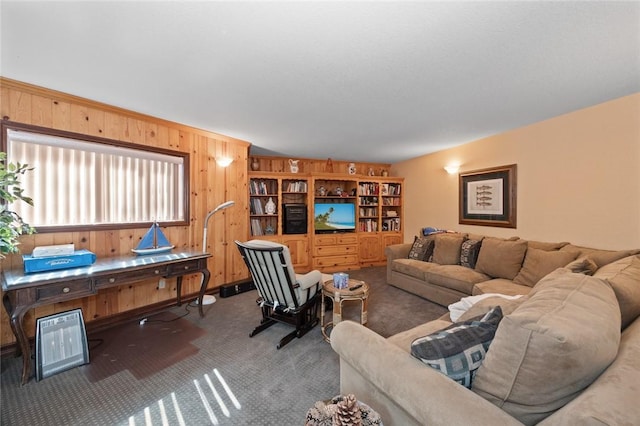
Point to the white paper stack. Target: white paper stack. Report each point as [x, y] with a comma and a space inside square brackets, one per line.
[57, 250]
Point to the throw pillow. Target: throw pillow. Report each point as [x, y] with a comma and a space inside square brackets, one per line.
[538, 263]
[624, 277]
[421, 249]
[600, 257]
[469, 253]
[583, 265]
[541, 245]
[501, 258]
[447, 248]
[555, 344]
[459, 349]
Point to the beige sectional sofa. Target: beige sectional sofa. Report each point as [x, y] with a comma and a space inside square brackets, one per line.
[564, 354]
[505, 266]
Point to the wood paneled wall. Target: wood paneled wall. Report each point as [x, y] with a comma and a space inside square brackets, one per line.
[210, 185]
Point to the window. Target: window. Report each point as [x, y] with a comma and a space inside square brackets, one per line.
[82, 181]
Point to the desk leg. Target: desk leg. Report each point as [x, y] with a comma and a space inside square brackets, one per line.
[16, 317]
[179, 290]
[203, 288]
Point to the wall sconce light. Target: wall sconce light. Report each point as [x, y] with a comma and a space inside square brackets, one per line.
[224, 161]
[452, 168]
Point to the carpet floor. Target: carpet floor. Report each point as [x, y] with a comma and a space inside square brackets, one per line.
[180, 369]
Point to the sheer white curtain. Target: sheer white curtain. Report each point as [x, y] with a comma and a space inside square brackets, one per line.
[75, 182]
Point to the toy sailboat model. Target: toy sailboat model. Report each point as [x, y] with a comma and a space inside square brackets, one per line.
[153, 242]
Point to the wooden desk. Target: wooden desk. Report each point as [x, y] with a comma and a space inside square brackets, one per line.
[26, 291]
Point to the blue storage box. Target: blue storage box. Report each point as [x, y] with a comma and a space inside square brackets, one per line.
[51, 263]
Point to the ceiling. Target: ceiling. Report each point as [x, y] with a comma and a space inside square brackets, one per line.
[366, 81]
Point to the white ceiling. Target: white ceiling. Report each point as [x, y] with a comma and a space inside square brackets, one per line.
[366, 81]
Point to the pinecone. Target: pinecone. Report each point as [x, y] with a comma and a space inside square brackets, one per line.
[347, 412]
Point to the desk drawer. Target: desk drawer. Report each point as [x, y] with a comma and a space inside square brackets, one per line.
[186, 267]
[129, 277]
[63, 291]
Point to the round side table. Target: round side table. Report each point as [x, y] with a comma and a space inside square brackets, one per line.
[356, 290]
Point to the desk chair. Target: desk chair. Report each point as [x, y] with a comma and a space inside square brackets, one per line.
[284, 296]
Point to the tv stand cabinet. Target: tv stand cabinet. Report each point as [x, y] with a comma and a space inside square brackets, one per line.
[379, 213]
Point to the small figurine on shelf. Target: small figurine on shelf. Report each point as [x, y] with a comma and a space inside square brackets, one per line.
[255, 165]
[329, 166]
[269, 230]
[322, 191]
[371, 172]
[338, 191]
[270, 207]
[293, 166]
[352, 168]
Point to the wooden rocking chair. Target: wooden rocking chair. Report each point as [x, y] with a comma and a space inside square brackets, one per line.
[284, 296]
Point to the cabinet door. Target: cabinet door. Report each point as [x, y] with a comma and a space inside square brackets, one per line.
[299, 249]
[390, 239]
[370, 248]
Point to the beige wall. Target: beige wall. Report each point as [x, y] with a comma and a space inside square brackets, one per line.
[578, 178]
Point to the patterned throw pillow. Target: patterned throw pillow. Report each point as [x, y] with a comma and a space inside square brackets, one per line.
[459, 349]
[469, 253]
[422, 248]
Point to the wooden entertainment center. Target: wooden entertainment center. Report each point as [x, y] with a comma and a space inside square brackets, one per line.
[377, 219]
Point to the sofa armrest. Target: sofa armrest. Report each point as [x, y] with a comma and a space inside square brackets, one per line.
[397, 251]
[427, 395]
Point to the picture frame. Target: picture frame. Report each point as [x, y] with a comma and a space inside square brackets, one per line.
[61, 343]
[488, 197]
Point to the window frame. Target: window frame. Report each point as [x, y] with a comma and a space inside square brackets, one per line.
[10, 125]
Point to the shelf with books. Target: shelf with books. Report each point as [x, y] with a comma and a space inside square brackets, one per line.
[263, 206]
[294, 191]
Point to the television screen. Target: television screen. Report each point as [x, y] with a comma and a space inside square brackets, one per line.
[334, 217]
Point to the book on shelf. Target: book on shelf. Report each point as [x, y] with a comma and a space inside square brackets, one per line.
[256, 227]
[368, 188]
[368, 225]
[261, 187]
[391, 224]
[256, 206]
[297, 186]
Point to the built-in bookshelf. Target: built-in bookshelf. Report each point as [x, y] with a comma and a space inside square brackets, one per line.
[299, 197]
[368, 202]
[391, 204]
[262, 194]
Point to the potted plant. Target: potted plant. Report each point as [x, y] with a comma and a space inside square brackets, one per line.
[11, 224]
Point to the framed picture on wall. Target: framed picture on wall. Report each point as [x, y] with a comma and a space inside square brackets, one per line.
[488, 197]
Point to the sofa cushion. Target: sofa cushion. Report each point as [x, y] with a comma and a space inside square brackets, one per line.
[500, 285]
[624, 277]
[459, 349]
[501, 258]
[508, 304]
[600, 257]
[469, 253]
[421, 249]
[447, 248]
[551, 347]
[613, 398]
[538, 263]
[404, 338]
[413, 268]
[455, 277]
